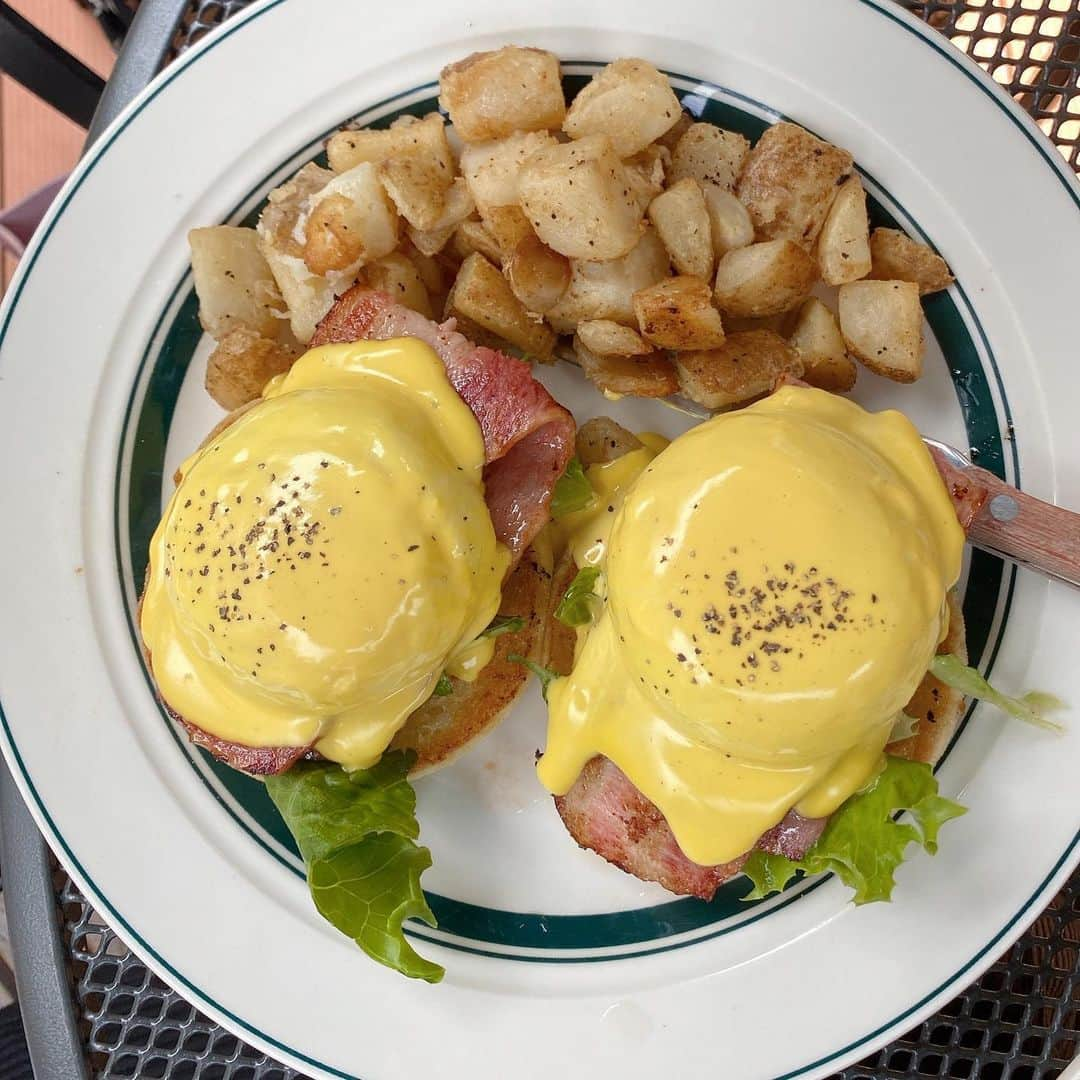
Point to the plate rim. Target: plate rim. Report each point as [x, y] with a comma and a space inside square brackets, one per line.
[1012, 929]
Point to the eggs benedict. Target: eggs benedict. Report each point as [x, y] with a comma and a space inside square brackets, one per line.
[339, 575]
[327, 558]
[769, 591]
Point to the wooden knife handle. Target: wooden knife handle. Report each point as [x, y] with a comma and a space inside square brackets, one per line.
[1026, 530]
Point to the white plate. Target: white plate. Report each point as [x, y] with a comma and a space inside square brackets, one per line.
[557, 964]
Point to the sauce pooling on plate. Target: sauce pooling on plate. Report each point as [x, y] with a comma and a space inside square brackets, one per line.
[774, 592]
[326, 557]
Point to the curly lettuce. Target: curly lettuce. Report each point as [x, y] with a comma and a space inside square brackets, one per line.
[357, 833]
[1031, 707]
[572, 491]
[579, 603]
[864, 843]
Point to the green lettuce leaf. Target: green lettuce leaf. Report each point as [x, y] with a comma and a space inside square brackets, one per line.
[863, 844]
[504, 624]
[357, 833]
[579, 603]
[1030, 708]
[572, 491]
[545, 675]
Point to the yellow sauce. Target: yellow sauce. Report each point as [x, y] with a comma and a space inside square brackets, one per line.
[775, 587]
[326, 557]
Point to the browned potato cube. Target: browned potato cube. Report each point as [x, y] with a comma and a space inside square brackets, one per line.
[482, 296]
[629, 101]
[417, 187]
[424, 138]
[747, 366]
[764, 279]
[789, 181]
[601, 439]
[490, 95]
[882, 325]
[578, 198]
[457, 207]
[639, 376]
[491, 169]
[233, 281]
[242, 364]
[681, 219]
[646, 172]
[507, 225]
[709, 155]
[670, 138]
[817, 339]
[896, 257]
[472, 236]
[397, 275]
[729, 221]
[605, 290]
[678, 314]
[537, 275]
[843, 247]
[607, 338]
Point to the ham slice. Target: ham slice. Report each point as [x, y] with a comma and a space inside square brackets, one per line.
[528, 435]
[604, 812]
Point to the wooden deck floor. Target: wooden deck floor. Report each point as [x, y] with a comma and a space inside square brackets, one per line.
[37, 143]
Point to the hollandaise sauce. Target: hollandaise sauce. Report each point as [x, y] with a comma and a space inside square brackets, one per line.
[326, 557]
[775, 589]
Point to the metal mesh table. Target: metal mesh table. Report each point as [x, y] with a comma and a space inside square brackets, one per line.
[91, 1007]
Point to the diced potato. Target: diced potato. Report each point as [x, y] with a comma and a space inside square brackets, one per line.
[843, 248]
[426, 266]
[882, 325]
[417, 187]
[507, 225]
[578, 198]
[765, 278]
[350, 222]
[429, 242]
[779, 324]
[747, 366]
[629, 101]
[646, 172]
[233, 282]
[482, 296]
[538, 276]
[333, 242]
[789, 181]
[457, 206]
[709, 155]
[424, 138]
[397, 275]
[817, 339]
[896, 257]
[729, 221]
[490, 95]
[605, 290]
[678, 314]
[639, 376]
[242, 364]
[670, 138]
[601, 439]
[607, 338]
[682, 223]
[308, 296]
[491, 169]
[472, 236]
